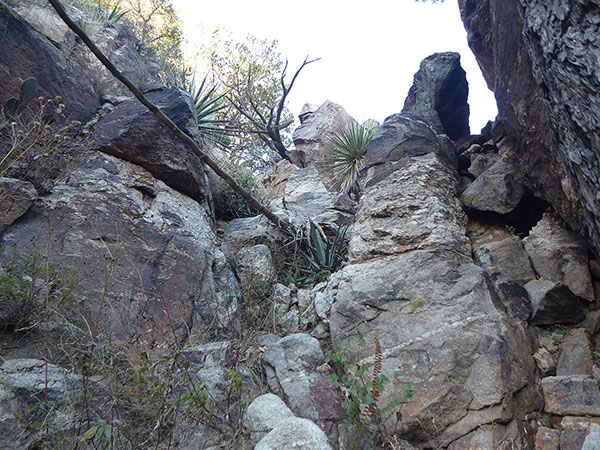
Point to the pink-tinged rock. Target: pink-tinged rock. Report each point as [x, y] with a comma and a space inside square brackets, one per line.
[547, 439]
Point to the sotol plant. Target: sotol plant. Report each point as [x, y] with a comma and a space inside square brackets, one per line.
[345, 154]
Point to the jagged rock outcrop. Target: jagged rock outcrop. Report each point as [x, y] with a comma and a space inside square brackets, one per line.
[440, 86]
[135, 243]
[317, 125]
[435, 314]
[541, 60]
[27, 53]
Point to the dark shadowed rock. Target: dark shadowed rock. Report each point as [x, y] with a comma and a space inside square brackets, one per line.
[27, 53]
[135, 244]
[509, 61]
[553, 303]
[441, 86]
[496, 189]
[561, 40]
[131, 132]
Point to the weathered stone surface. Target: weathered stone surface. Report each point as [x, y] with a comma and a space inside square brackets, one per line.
[27, 53]
[553, 303]
[544, 361]
[496, 189]
[409, 200]
[317, 126]
[575, 354]
[582, 424]
[547, 439]
[263, 414]
[131, 132]
[294, 433]
[255, 263]
[571, 395]
[592, 440]
[571, 440]
[291, 368]
[515, 299]
[560, 38]
[438, 328]
[480, 162]
[494, 32]
[16, 197]
[560, 255]
[248, 231]
[496, 436]
[275, 179]
[306, 196]
[505, 260]
[440, 86]
[137, 245]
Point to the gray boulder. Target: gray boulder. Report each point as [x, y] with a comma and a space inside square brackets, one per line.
[576, 395]
[131, 132]
[294, 433]
[16, 197]
[255, 264]
[150, 250]
[264, 414]
[440, 90]
[291, 368]
[496, 190]
[560, 255]
[316, 127]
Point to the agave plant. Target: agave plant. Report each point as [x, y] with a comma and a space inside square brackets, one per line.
[323, 256]
[345, 153]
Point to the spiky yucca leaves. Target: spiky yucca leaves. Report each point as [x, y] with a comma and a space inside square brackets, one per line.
[209, 105]
[345, 153]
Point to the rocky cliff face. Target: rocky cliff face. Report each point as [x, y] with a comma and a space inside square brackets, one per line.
[467, 259]
[541, 60]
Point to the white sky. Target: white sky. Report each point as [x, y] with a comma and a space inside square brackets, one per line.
[369, 53]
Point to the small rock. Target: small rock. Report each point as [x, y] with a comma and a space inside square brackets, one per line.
[575, 354]
[571, 440]
[294, 433]
[592, 441]
[553, 303]
[580, 424]
[16, 197]
[289, 322]
[482, 162]
[547, 439]
[496, 190]
[544, 361]
[571, 395]
[505, 260]
[263, 414]
[255, 264]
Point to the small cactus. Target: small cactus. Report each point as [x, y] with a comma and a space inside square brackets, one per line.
[12, 107]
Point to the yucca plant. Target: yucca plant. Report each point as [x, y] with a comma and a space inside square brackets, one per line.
[323, 257]
[345, 154]
[209, 104]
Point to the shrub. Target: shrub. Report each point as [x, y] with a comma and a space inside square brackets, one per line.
[228, 203]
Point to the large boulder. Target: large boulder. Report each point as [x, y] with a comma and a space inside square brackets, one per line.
[27, 53]
[131, 132]
[440, 86]
[142, 254]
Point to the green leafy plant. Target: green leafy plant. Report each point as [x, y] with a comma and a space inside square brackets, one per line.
[210, 105]
[228, 203]
[363, 388]
[321, 256]
[558, 335]
[103, 433]
[345, 154]
[13, 106]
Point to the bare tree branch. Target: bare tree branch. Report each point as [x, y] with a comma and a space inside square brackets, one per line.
[281, 223]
